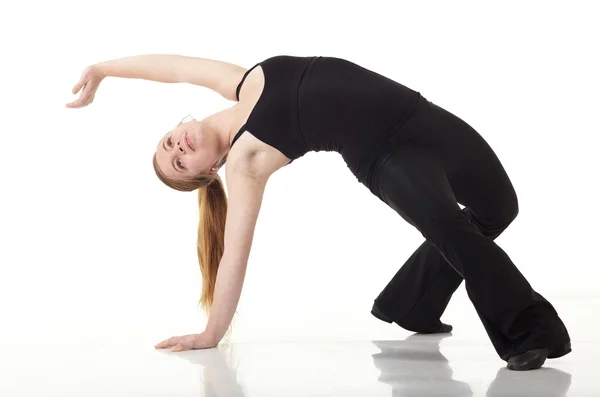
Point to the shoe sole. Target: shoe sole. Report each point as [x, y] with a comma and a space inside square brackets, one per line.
[444, 328]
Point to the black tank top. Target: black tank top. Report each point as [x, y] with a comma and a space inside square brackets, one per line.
[326, 104]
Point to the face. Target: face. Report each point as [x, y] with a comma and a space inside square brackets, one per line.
[188, 151]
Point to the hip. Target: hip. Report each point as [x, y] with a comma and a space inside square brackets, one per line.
[401, 136]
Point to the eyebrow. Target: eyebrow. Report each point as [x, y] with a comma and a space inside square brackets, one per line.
[172, 162]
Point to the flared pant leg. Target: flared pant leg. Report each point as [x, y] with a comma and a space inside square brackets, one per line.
[419, 293]
[423, 180]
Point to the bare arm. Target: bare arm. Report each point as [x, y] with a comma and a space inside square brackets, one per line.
[245, 193]
[221, 77]
[246, 187]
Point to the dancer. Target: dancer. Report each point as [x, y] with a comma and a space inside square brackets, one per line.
[418, 158]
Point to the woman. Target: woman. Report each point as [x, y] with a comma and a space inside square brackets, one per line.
[418, 158]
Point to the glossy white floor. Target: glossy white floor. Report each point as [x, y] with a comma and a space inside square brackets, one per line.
[350, 354]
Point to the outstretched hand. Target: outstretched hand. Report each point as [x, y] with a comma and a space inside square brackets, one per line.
[89, 81]
[188, 342]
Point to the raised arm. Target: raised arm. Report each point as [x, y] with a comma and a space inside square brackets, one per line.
[221, 77]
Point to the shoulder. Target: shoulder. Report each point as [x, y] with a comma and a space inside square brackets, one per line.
[251, 82]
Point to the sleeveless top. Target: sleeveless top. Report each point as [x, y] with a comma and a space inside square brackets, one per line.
[326, 104]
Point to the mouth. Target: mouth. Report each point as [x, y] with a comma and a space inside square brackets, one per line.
[189, 142]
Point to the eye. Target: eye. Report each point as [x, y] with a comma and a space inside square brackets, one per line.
[169, 142]
[180, 164]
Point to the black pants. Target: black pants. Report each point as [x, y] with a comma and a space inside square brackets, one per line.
[432, 163]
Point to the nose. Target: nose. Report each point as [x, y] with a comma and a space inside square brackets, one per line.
[180, 146]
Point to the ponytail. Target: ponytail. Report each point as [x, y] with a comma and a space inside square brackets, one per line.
[212, 202]
[210, 246]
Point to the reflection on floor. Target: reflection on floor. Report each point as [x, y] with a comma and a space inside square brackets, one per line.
[411, 367]
[112, 354]
[416, 367]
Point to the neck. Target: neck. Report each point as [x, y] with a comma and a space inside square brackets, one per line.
[223, 124]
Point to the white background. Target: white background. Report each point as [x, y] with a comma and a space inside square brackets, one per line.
[91, 237]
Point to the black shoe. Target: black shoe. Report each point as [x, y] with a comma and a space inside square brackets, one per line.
[531, 359]
[444, 328]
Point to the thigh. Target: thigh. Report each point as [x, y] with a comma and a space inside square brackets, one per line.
[412, 181]
[473, 170]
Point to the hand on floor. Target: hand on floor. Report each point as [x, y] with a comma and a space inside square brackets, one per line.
[188, 342]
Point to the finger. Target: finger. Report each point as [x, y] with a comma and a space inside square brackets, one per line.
[84, 100]
[178, 347]
[78, 86]
[79, 101]
[167, 343]
[75, 104]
